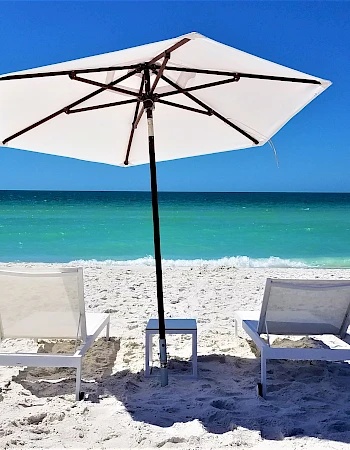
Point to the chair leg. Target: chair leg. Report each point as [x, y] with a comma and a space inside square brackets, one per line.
[107, 330]
[235, 328]
[78, 381]
[263, 374]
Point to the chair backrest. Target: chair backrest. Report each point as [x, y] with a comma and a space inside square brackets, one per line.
[42, 304]
[305, 307]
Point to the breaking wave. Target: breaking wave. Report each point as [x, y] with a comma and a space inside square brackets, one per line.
[233, 261]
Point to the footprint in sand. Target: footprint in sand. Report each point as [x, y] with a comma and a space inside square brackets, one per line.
[172, 440]
[338, 427]
[221, 404]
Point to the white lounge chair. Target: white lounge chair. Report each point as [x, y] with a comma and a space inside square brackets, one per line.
[300, 307]
[48, 305]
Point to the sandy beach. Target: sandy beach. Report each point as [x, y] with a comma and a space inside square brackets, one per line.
[307, 404]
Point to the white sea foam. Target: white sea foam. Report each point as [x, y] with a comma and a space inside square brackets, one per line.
[233, 261]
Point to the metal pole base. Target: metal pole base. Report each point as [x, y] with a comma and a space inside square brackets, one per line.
[163, 363]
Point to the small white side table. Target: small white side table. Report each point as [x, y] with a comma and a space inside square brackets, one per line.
[172, 326]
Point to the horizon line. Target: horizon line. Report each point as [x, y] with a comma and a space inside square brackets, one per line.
[175, 192]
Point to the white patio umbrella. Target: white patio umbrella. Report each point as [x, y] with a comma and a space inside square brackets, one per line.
[206, 97]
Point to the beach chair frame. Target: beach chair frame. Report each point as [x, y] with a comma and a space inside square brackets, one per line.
[89, 327]
[255, 324]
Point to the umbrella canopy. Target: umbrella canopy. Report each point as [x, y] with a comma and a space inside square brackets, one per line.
[245, 102]
[207, 97]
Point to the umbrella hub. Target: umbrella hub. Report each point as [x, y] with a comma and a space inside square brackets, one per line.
[148, 101]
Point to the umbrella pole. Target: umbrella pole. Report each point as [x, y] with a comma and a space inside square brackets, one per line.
[157, 252]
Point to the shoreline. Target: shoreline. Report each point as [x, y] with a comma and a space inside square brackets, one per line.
[307, 404]
[235, 262]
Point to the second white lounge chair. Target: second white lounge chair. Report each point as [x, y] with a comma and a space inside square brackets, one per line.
[48, 305]
[299, 307]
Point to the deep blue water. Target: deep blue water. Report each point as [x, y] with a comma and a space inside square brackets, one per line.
[261, 229]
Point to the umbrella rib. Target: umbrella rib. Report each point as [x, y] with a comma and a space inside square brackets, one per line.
[104, 105]
[66, 72]
[214, 113]
[200, 86]
[169, 50]
[134, 122]
[66, 108]
[243, 75]
[207, 113]
[160, 72]
[96, 83]
[138, 118]
[137, 121]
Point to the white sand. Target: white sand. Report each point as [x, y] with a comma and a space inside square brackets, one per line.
[308, 405]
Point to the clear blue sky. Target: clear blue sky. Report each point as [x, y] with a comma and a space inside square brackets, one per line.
[310, 36]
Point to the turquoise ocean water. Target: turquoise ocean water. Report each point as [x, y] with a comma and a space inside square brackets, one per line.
[236, 229]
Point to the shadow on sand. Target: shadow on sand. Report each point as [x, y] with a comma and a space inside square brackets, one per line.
[304, 398]
[97, 365]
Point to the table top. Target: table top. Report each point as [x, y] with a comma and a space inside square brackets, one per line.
[173, 324]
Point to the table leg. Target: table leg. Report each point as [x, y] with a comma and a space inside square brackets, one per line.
[147, 353]
[194, 353]
[150, 351]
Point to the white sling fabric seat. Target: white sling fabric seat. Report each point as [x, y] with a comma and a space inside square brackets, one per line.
[300, 308]
[47, 305]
